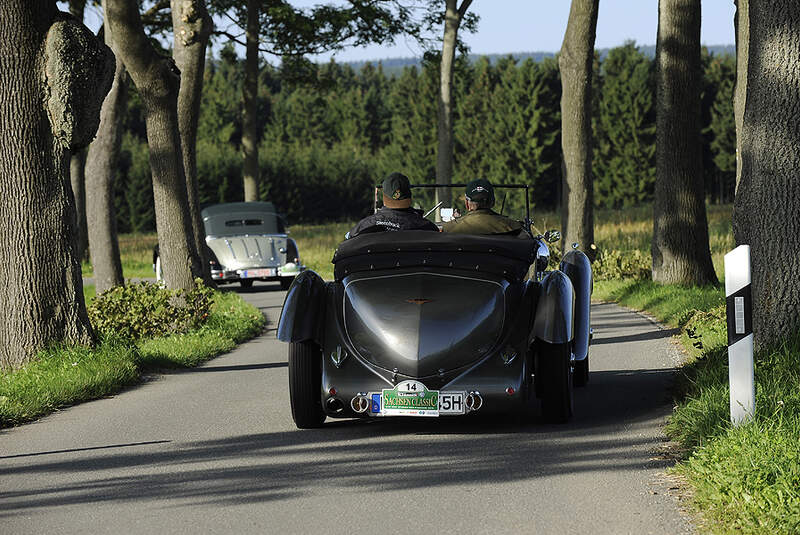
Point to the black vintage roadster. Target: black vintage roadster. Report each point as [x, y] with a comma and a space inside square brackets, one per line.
[425, 324]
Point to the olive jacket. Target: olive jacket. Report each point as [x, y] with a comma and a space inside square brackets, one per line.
[483, 221]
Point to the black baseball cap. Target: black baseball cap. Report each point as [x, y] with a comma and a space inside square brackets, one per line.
[480, 189]
[396, 191]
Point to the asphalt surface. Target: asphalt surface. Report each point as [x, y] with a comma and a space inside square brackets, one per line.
[214, 450]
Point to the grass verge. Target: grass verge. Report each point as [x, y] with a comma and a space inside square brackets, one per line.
[62, 376]
[745, 479]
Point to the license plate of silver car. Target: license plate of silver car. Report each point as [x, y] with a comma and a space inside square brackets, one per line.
[256, 273]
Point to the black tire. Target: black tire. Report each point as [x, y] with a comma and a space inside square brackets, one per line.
[286, 282]
[580, 375]
[555, 381]
[246, 283]
[305, 383]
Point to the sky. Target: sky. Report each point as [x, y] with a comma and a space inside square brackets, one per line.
[508, 26]
[538, 26]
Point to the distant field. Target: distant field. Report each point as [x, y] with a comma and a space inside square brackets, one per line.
[615, 230]
[136, 252]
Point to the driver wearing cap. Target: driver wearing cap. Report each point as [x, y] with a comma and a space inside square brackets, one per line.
[396, 213]
[480, 218]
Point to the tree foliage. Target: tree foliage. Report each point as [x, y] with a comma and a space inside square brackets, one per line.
[625, 128]
[324, 144]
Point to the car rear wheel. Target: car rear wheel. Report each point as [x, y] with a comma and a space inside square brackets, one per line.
[580, 376]
[305, 383]
[246, 283]
[555, 381]
[286, 282]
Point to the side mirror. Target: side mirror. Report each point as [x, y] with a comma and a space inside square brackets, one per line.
[552, 236]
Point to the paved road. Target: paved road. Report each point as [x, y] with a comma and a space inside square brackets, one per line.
[214, 450]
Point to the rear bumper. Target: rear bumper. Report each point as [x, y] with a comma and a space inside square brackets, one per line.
[502, 387]
[287, 271]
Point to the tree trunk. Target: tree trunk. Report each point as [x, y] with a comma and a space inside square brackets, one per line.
[742, 24]
[250, 104]
[47, 111]
[453, 16]
[575, 64]
[192, 27]
[680, 229]
[77, 176]
[78, 162]
[768, 195]
[101, 165]
[157, 80]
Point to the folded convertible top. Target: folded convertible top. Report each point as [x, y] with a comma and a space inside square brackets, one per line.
[500, 255]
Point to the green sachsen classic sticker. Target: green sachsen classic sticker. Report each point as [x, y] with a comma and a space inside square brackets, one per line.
[410, 398]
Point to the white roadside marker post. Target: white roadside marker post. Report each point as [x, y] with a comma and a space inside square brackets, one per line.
[739, 305]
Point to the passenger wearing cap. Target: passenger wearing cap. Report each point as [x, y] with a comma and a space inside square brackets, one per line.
[480, 218]
[396, 213]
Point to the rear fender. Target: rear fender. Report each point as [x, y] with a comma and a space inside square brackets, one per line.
[579, 270]
[303, 310]
[554, 320]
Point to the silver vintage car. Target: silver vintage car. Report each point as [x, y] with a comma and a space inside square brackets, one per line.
[247, 241]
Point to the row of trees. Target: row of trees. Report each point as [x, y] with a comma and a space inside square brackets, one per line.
[323, 146]
[55, 75]
[767, 124]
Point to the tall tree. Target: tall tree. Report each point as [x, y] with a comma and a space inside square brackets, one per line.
[191, 28]
[680, 228]
[101, 166]
[78, 162]
[54, 74]
[768, 193]
[249, 102]
[453, 16]
[157, 80]
[575, 64]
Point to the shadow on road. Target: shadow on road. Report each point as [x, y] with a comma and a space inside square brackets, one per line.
[237, 367]
[255, 289]
[638, 337]
[376, 455]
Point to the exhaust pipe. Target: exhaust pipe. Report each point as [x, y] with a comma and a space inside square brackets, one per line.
[474, 401]
[334, 405]
[359, 404]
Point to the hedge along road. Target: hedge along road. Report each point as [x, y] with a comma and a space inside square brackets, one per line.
[214, 450]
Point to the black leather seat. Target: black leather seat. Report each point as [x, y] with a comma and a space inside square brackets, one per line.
[504, 256]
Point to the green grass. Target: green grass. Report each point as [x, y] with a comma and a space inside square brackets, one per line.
[88, 292]
[317, 243]
[671, 304]
[231, 322]
[62, 376]
[745, 479]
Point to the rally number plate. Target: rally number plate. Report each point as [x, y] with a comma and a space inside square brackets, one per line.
[412, 398]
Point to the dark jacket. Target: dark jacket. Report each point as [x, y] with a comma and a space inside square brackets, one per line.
[392, 219]
[483, 221]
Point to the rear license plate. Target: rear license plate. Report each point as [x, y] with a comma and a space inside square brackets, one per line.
[412, 398]
[256, 273]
